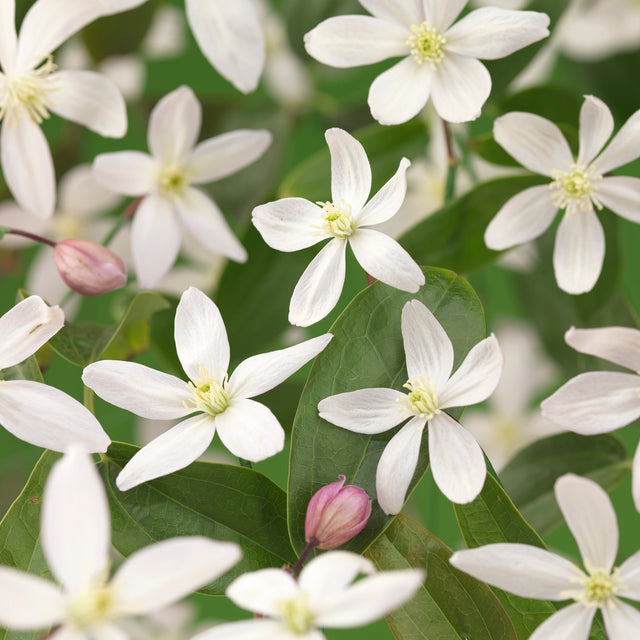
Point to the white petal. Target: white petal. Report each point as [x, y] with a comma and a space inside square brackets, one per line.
[230, 36]
[490, 33]
[504, 565]
[28, 602]
[624, 147]
[578, 253]
[595, 402]
[139, 389]
[257, 629]
[249, 430]
[260, 373]
[442, 14]
[388, 200]
[364, 410]
[401, 92]
[630, 575]
[205, 221]
[589, 513]
[28, 167]
[131, 173]
[476, 378]
[535, 142]
[200, 335]
[621, 195]
[173, 450]
[225, 154]
[8, 38]
[456, 459]
[620, 345]
[350, 169]
[174, 125]
[26, 327]
[621, 620]
[384, 259]
[76, 525]
[397, 465]
[460, 87]
[635, 484]
[262, 591]
[105, 631]
[404, 13]
[167, 571]
[90, 99]
[48, 418]
[352, 41]
[81, 194]
[596, 126]
[571, 623]
[521, 219]
[320, 286]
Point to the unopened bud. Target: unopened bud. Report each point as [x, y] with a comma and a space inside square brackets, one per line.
[336, 514]
[89, 268]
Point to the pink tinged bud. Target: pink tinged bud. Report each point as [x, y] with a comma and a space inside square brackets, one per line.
[336, 514]
[89, 268]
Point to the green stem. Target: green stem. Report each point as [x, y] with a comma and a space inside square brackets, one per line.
[88, 399]
[452, 161]
[27, 234]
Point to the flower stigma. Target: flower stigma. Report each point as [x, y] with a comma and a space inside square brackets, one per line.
[92, 606]
[598, 587]
[426, 44]
[422, 399]
[574, 189]
[337, 219]
[296, 614]
[172, 180]
[210, 394]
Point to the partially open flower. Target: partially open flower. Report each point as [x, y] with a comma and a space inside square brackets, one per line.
[89, 268]
[336, 514]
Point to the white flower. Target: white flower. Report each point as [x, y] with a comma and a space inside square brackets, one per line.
[440, 61]
[578, 186]
[324, 595]
[76, 540]
[291, 224]
[30, 87]
[456, 460]
[221, 403]
[601, 401]
[165, 180]
[532, 572]
[32, 411]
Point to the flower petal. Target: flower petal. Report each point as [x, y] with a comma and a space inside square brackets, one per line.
[624, 147]
[620, 345]
[257, 629]
[621, 195]
[635, 485]
[596, 127]
[630, 575]
[578, 253]
[621, 620]
[262, 591]
[571, 623]
[173, 450]
[442, 14]
[8, 37]
[289, 224]
[249, 430]
[388, 200]
[131, 173]
[404, 13]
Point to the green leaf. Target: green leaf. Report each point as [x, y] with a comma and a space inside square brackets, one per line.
[451, 605]
[26, 370]
[367, 351]
[214, 500]
[530, 476]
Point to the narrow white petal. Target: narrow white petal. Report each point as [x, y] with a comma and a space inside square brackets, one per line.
[106, 631]
[353, 41]
[630, 574]
[505, 565]
[384, 259]
[139, 389]
[262, 591]
[621, 195]
[522, 218]
[388, 200]
[595, 402]
[28, 167]
[596, 127]
[578, 253]
[230, 36]
[589, 513]
[174, 125]
[80, 192]
[76, 525]
[91, 99]
[571, 623]
[162, 573]
[200, 335]
[621, 620]
[535, 142]
[397, 465]
[249, 430]
[131, 173]
[8, 37]
[442, 14]
[620, 345]
[173, 450]
[456, 459]
[48, 418]
[401, 92]
[624, 147]
[26, 327]
[635, 484]
[260, 373]
[404, 13]
[257, 629]
[320, 286]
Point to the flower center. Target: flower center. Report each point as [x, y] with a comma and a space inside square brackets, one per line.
[422, 399]
[425, 44]
[574, 189]
[210, 394]
[296, 614]
[92, 606]
[597, 588]
[172, 180]
[337, 219]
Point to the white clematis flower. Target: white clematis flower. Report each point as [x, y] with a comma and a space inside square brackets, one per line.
[457, 462]
[166, 178]
[221, 403]
[32, 411]
[291, 224]
[579, 185]
[76, 540]
[532, 572]
[440, 59]
[601, 401]
[324, 595]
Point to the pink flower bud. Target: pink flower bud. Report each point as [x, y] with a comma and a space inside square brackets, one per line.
[336, 514]
[89, 268]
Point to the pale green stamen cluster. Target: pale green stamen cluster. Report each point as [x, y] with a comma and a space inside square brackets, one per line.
[296, 614]
[337, 219]
[210, 394]
[574, 190]
[425, 44]
[597, 588]
[172, 180]
[91, 607]
[422, 399]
